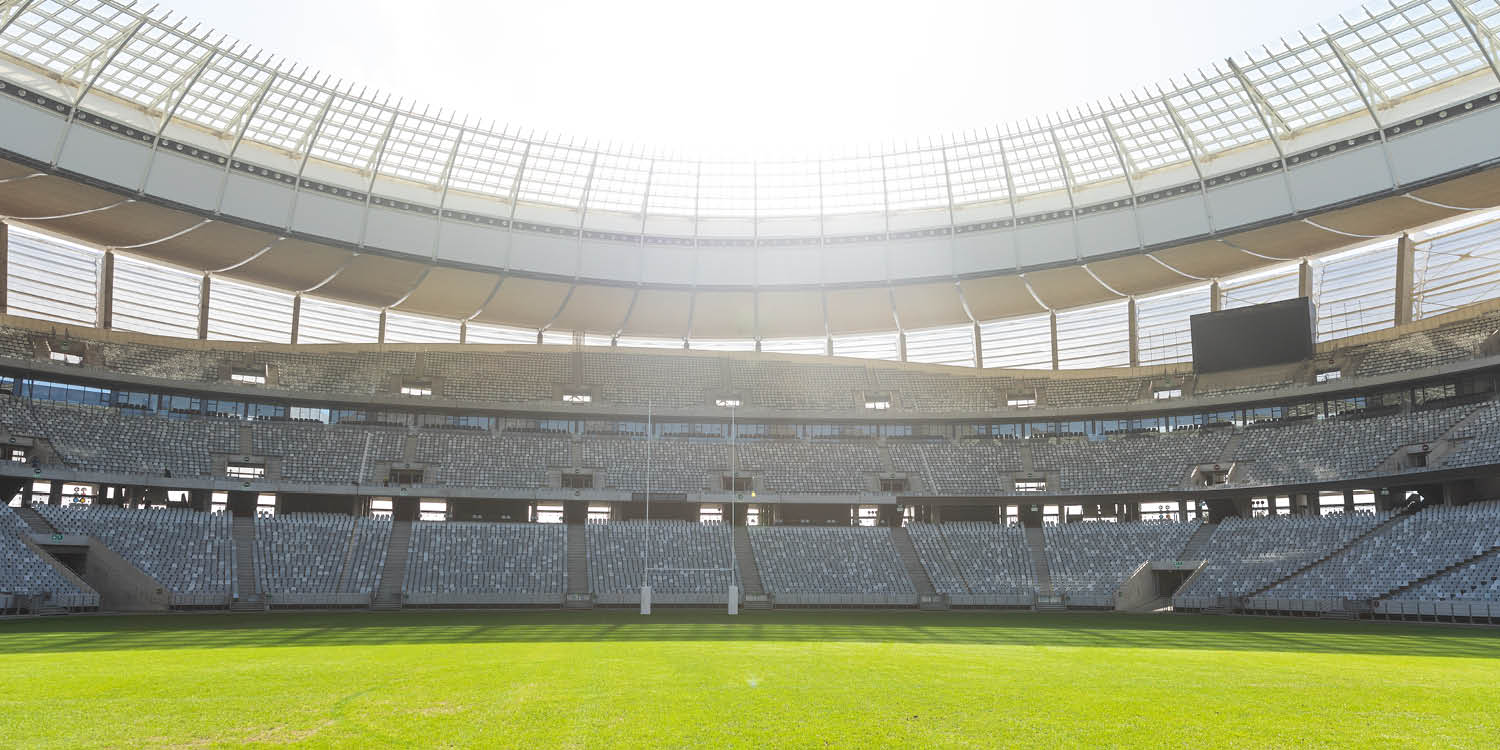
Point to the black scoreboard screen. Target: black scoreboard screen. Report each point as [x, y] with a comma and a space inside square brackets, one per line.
[1270, 334]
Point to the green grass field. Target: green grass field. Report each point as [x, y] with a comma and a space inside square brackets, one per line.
[768, 680]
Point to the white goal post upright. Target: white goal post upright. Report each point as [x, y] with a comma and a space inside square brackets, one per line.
[733, 594]
[646, 554]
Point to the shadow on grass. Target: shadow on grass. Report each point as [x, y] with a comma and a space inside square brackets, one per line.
[75, 634]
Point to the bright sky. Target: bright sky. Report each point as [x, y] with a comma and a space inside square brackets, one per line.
[766, 79]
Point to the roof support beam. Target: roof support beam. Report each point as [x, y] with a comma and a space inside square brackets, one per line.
[1481, 35]
[1263, 108]
[1010, 197]
[13, 10]
[1125, 167]
[114, 47]
[1062, 160]
[186, 87]
[1357, 76]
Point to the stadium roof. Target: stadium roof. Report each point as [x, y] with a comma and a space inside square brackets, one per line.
[168, 67]
[1053, 213]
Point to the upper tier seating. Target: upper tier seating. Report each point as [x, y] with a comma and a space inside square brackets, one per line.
[641, 380]
[319, 553]
[828, 560]
[816, 467]
[1133, 463]
[330, 454]
[965, 467]
[1479, 438]
[619, 552]
[1478, 580]
[1331, 449]
[1093, 558]
[95, 438]
[484, 459]
[787, 385]
[676, 465]
[463, 557]
[22, 571]
[969, 557]
[1245, 555]
[1419, 349]
[187, 551]
[1380, 563]
[500, 376]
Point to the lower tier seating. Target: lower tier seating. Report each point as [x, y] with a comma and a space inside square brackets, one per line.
[677, 552]
[24, 572]
[188, 552]
[824, 560]
[463, 557]
[1092, 559]
[1245, 555]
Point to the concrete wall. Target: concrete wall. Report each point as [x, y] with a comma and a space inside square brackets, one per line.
[121, 585]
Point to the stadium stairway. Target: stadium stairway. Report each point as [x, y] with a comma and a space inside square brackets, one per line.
[1197, 544]
[248, 598]
[901, 540]
[1377, 529]
[578, 568]
[1037, 542]
[393, 575]
[348, 555]
[35, 521]
[744, 555]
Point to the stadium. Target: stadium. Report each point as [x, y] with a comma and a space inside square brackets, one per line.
[337, 421]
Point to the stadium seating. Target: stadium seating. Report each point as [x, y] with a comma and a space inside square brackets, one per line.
[641, 380]
[1332, 449]
[1131, 463]
[828, 560]
[975, 558]
[465, 561]
[188, 552]
[676, 465]
[1419, 349]
[677, 551]
[1407, 550]
[965, 467]
[778, 384]
[1245, 555]
[483, 459]
[502, 377]
[1088, 561]
[23, 572]
[812, 467]
[1478, 580]
[319, 553]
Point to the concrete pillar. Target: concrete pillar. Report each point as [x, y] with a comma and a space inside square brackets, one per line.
[204, 287]
[978, 348]
[1405, 279]
[4, 267]
[1305, 280]
[1052, 321]
[54, 492]
[1134, 333]
[296, 316]
[901, 345]
[1215, 296]
[104, 309]
[1349, 501]
[463, 331]
[380, 335]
